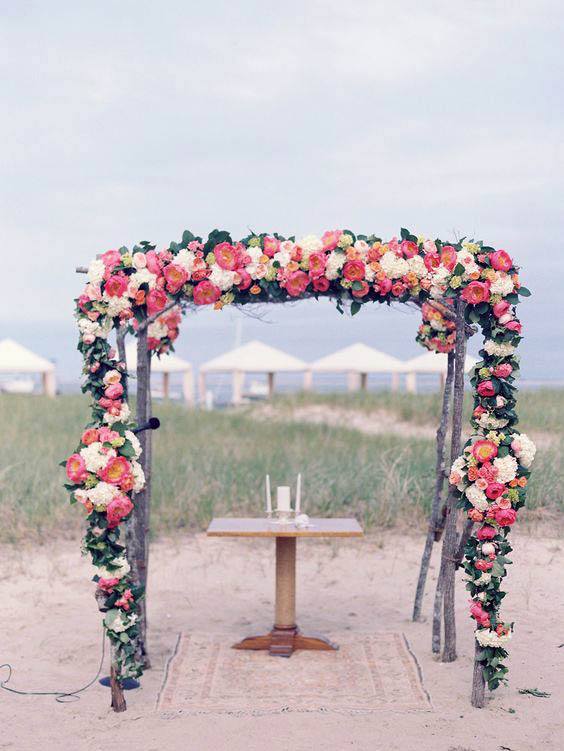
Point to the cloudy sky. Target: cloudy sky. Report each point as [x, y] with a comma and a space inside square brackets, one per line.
[134, 120]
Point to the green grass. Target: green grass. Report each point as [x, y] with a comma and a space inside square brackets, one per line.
[210, 463]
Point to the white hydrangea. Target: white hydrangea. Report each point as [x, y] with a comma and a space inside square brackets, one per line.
[96, 271]
[526, 450]
[417, 266]
[254, 254]
[222, 278]
[488, 638]
[116, 305]
[186, 258]
[459, 465]
[476, 497]
[503, 285]
[157, 330]
[141, 276]
[93, 328]
[506, 468]
[123, 416]
[138, 476]
[102, 493]
[394, 266]
[117, 621]
[309, 244]
[132, 438]
[335, 262]
[95, 456]
[498, 349]
[491, 422]
[467, 260]
[369, 274]
[484, 579]
[120, 568]
[283, 257]
[439, 281]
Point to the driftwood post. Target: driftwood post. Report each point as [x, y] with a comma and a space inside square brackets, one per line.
[434, 517]
[137, 542]
[444, 595]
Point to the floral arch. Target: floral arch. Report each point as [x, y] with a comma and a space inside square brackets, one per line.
[456, 285]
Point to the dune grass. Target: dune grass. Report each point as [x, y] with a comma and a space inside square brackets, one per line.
[210, 463]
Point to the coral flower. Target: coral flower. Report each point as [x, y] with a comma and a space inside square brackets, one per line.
[354, 271]
[501, 260]
[111, 259]
[176, 276]
[317, 263]
[409, 248]
[505, 517]
[116, 470]
[486, 533]
[206, 293]
[156, 301]
[270, 246]
[476, 293]
[117, 509]
[296, 283]
[116, 285]
[363, 291]
[321, 284]
[486, 388]
[483, 565]
[484, 450]
[448, 257]
[89, 436]
[432, 261]
[226, 256]
[494, 490]
[76, 468]
[330, 239]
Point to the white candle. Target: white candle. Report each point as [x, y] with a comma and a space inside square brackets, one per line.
[298, 493]
[283, 498]
[268, 496]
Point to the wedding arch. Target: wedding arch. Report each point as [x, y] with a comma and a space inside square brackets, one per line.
[460, 287]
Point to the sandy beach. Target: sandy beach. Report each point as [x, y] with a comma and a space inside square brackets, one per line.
[51, 636]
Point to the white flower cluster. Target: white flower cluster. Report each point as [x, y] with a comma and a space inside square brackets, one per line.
[502, 285]
[506, 468]
[335, 262]
[476, 497]
[309, 244]
[488, 638]
[93, 328]
[123, 416]
[466, 259]
[502, 349]
[488, 421]
[157, 330]
[524, 449]
[117, 621]
[120, 568]
[96, 271]
[102, 493]
[186, 258]
[138, 476]
[394, 266]
[222, 278]
[96, 456]
[132, 438]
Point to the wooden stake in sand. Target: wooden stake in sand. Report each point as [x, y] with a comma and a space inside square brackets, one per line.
[444, 597]
[435, 526]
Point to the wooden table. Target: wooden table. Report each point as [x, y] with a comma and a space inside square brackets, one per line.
[285, 636]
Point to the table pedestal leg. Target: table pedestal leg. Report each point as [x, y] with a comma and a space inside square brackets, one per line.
[285, 636]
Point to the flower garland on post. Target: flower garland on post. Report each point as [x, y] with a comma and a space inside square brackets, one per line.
[127, 288]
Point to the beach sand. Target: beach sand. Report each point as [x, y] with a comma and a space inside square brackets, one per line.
[51, 634]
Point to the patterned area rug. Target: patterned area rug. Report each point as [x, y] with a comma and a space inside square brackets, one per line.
[370, 672]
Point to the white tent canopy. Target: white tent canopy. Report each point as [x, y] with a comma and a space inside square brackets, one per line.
[14, 358]
[165, 364]
[358, 360]
[431, 362]
[253, 357]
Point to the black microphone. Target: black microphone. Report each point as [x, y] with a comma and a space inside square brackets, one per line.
[151, 424]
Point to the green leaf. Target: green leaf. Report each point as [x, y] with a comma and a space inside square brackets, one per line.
[524, 292]
[355, 307]
[458, 269]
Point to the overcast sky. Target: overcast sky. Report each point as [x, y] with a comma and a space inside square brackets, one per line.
[125, 121]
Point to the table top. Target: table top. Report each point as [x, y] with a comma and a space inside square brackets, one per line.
[233, 527]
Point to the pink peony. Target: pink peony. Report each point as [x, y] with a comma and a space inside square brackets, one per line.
[176, 276]
[488, 472]
[514, 326]
[76, 468]
[479, 614]
[156, 300]
[476, 293]
[116, 286]
[501, 260]
[296, 283]
[503, 370]
[505, 517]
[494, 490]
[270, 246]
[89, 436]
[116, 470]
[448, 257]
[383, 286]
[226, 256]
[483, 565]
[398, 288]
[501, 308]
[106, 435]
[206, 293]
[125, 600]
[117, 509]
[486, 533]
[354, 271]
[114, 391]
[432, 261]
[153, 262]
[330, 239]
[321, 284]
[111, 259]
[317, 263]
[243, 279]
[484, 450]
[107, 585]
[486, 388]
[409, 248]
